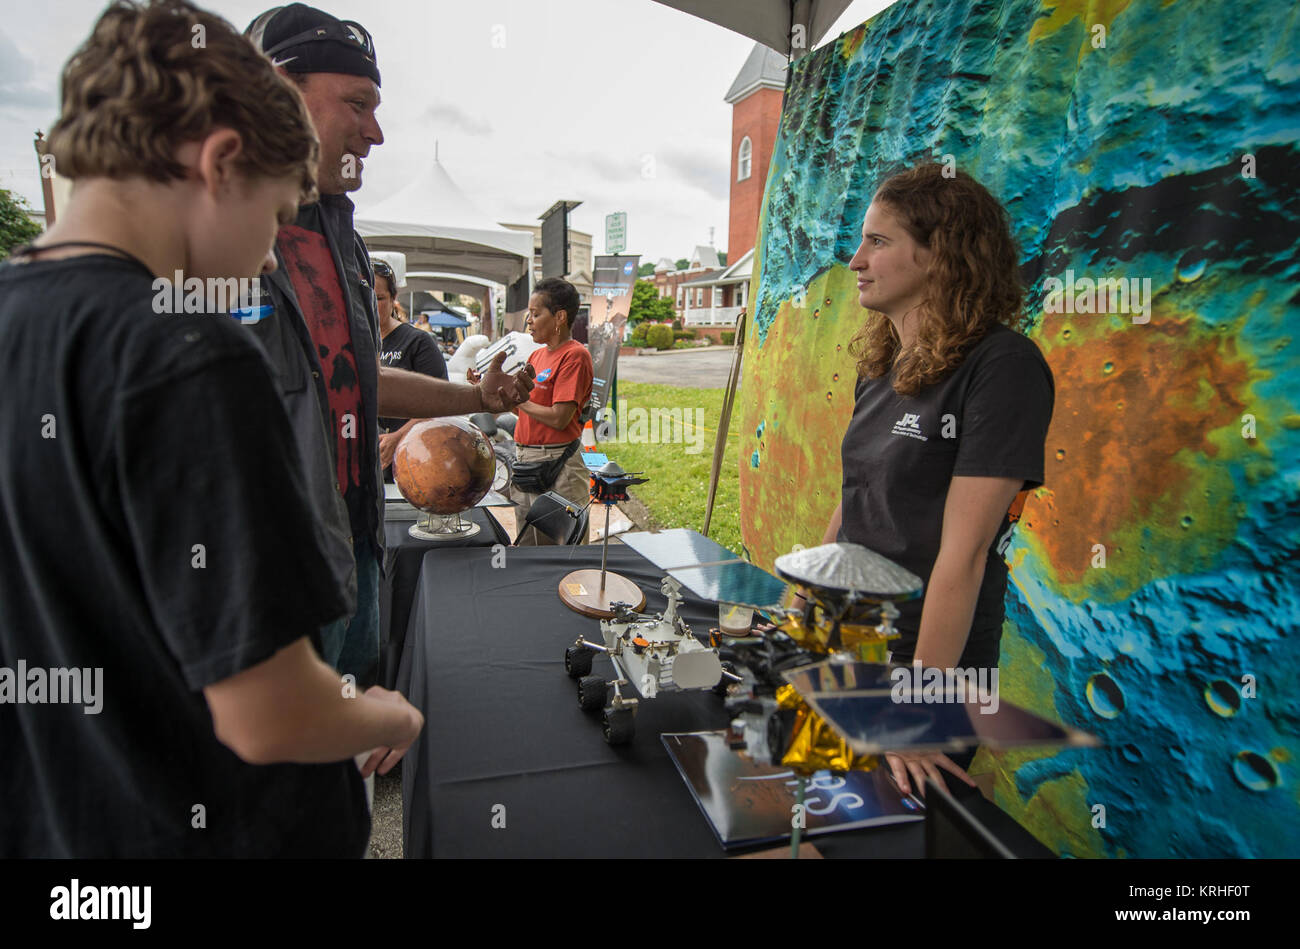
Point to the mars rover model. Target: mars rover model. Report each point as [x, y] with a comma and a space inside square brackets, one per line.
[652, 653]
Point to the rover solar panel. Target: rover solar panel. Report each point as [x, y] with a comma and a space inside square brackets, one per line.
[678, 548]
[707, 569]
[736, 582]
[839, 677]
[906, 714]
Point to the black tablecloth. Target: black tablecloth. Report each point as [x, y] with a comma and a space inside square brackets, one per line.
[485, 664]
[402, 556]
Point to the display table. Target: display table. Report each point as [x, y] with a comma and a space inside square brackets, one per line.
[402, 556]
[504, 737]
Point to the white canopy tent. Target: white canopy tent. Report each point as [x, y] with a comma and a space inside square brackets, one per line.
[433, 282]
[441, 231]
[770, 22]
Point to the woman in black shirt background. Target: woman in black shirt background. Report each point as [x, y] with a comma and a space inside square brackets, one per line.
[950, 418]
[402, 346]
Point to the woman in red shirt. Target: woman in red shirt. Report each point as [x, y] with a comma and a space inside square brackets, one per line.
[550, 422]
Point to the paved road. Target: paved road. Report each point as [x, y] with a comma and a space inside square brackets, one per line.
[695, 370]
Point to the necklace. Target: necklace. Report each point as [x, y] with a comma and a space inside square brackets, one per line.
[28, 249]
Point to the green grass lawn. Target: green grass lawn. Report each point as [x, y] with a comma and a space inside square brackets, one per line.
[678, 463]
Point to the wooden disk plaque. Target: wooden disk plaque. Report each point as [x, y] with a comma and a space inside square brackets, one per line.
[580, 591]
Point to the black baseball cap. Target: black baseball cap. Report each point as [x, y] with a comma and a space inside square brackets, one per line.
[303, 39]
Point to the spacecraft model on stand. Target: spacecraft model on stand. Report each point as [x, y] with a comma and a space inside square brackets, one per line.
[813, 689]
[594, 592]
[796, 688]
[850, 593]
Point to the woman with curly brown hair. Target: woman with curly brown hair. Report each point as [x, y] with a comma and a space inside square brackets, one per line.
[949, 421]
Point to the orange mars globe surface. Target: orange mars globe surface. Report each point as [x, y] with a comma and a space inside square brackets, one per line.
[444, 465]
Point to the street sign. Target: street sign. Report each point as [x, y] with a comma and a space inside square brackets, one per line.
[616, 232]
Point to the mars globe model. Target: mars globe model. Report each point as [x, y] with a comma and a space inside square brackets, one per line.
[444, 466]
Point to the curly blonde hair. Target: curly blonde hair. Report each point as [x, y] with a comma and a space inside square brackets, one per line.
[153, 76]
[971, 284]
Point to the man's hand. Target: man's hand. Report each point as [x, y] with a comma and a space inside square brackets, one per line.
[383, 759]
[922, 765]
[501, 391]
[388, 448]
[472, 376]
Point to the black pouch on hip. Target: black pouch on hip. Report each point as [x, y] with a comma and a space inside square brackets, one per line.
[538, 477]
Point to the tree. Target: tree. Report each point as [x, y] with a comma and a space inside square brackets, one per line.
[722, 257]
[16, 228]
[648, 305]
[645, 270]
[682, 264]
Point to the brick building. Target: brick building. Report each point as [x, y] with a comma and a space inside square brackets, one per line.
[667, 280]
[710, 301]
[755, 99]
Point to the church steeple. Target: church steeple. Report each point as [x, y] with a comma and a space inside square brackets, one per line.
[755, 99]
[764, 69]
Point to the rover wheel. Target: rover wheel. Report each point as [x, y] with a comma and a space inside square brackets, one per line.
[577, 661]
[591, 693]
[618, 725]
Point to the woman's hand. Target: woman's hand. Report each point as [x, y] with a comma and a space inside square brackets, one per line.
[921, 765]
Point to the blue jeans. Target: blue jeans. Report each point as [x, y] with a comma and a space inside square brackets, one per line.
[351, 644]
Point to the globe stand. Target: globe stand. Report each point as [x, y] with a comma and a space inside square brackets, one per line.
[439, 527]
[442, 465]
[594, 592]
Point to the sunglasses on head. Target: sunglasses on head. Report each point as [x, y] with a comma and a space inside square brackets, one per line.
[382, 268]
[345, 31]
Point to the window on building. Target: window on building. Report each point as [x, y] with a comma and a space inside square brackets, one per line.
[699, 296]
[744, 160]
[717, 296]
[681, 294]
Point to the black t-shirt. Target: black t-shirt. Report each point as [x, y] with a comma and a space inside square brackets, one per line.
[987, 418]
[155, 528]
[415, 350]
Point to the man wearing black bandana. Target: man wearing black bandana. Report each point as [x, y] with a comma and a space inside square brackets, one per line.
[323, 337]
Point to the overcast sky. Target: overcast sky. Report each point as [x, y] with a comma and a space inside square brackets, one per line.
[574, 101]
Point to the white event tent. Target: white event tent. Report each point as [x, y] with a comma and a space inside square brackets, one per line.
[449, 243]
[791, 27]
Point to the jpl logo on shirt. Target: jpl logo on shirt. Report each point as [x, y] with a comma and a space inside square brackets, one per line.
[909, 425]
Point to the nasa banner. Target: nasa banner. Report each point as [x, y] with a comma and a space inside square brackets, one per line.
[611, 291]
[611, 298]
